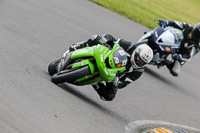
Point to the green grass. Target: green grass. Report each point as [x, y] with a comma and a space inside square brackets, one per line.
[145, 11]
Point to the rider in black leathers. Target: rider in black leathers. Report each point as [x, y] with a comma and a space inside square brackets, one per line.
[190, 45]
[134, 67]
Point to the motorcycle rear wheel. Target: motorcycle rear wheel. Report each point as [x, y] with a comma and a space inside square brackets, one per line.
[70, 75]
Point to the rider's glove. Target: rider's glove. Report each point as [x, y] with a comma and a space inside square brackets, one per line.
[74, 47]
[107, 38]
[103, 40]
[163, 23]
[115, 81]
[177, 57]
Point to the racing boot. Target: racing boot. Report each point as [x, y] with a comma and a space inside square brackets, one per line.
[174, 67]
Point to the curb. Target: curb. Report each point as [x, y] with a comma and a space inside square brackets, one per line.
[141, 125]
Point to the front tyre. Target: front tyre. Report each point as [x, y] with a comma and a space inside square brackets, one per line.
[70, 75]
[52, 68]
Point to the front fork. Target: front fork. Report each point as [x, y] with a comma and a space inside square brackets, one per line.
[65, 54]
[65, 60]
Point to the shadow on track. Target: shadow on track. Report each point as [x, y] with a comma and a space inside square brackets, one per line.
[168, 82]
[86, 99]
[161, 78]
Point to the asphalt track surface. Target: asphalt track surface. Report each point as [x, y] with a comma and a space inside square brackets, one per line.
[35, 32]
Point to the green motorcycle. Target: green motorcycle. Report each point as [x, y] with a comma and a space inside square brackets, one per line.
[89, 65]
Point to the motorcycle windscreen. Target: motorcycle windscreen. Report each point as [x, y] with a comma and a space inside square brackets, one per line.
[119, 58]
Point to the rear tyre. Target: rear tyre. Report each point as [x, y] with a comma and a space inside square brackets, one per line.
[52, 68]
[70, 75]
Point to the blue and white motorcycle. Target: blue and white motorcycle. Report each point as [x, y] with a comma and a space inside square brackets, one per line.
[165, 43]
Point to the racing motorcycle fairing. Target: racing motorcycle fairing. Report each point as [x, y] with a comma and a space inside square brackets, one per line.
[108, 62]
[166, 40]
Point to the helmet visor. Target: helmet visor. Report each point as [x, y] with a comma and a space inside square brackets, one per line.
[139, 61]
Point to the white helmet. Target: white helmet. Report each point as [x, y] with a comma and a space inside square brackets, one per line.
[141, 56]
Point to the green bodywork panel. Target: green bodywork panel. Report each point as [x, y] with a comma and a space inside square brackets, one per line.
[100, 53]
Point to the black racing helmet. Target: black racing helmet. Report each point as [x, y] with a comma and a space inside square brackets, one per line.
[196, 31]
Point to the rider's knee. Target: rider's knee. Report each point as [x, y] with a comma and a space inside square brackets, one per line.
[109, 97]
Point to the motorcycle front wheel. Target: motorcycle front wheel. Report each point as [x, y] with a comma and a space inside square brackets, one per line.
[52, 68]
[70, 75]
